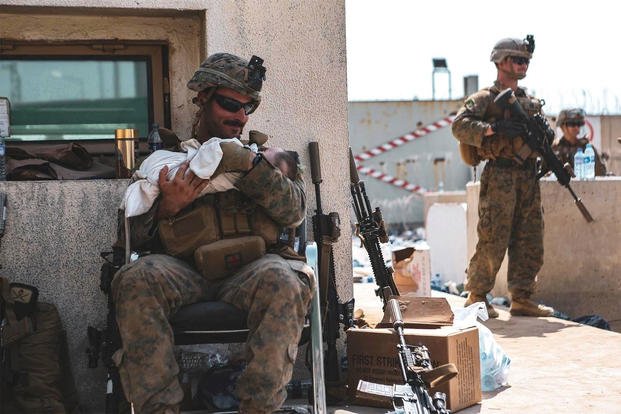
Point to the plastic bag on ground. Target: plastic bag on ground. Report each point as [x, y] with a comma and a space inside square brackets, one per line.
[495, 362]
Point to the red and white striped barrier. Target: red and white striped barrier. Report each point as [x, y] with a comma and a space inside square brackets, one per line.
[389, 179]
[397, 142]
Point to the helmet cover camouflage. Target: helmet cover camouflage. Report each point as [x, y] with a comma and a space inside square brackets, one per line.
[576, 115]
[512, 47]
[230, 71]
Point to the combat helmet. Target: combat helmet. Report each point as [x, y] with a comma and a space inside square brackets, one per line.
[513, 47]
[230, 71]
[576, 115]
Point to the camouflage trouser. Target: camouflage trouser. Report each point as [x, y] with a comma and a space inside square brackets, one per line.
[510, 217]
[275, 292]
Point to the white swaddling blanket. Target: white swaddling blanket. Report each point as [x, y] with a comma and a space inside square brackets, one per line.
[204, 159]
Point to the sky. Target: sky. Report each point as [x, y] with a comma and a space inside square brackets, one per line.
[576, 63]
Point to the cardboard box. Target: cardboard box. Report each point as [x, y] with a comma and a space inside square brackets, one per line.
[412, 271]
[372, 356]
[419, 312]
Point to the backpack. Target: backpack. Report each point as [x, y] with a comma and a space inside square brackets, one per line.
[35, 375]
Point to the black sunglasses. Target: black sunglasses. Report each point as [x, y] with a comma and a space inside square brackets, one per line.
[574, 123]
[232, 105]
[519, 60]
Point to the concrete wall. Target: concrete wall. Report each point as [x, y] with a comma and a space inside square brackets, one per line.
[57, 229]
[54, 233]
[610, 131]
[374, 123]
[580, 274]
[445, 229]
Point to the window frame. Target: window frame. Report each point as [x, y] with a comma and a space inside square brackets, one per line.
[155, 52]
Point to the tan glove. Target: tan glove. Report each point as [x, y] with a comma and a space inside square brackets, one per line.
[235, 158]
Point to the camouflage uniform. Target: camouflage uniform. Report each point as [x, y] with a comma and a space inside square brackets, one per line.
[565, 149]
[275, 293]
[510, 215]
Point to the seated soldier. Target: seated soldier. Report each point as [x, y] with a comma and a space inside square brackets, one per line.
[571, 122]
[273, 291]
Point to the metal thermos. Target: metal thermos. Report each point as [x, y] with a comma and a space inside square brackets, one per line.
[125, 141]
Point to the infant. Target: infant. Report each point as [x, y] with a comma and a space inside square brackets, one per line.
[203, 160]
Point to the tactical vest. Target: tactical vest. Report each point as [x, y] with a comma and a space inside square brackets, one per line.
[519, 150]
[35, 370]
[221, 232]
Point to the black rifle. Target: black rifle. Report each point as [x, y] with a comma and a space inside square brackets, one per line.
[370, 228]
[413, 398]
[418, 376]
[105, 343]
[326, 231]
[539, 137]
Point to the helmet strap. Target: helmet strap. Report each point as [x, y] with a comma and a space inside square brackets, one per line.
[201, 102]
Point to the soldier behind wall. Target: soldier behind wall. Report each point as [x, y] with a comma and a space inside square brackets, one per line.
[571, 122]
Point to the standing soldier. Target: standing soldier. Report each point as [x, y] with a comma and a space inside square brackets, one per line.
[510, 215]
[571, 122]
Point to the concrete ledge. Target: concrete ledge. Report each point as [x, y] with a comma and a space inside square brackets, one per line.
[431, 198]
[580, 274]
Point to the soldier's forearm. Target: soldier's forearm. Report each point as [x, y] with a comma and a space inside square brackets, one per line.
[283, 200]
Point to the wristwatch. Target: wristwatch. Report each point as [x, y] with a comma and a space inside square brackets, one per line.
[257, 159]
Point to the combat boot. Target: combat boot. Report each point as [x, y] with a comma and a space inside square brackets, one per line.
[473, 298]
[526, 307]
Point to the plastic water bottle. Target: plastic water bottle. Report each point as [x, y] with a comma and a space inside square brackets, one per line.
[579, 164]
[311, 255]
[2, 159]
[589, 163]
[154, 141]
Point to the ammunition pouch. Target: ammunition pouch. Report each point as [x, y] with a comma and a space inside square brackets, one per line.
[215, 217]
[223, 258]
[503, 147]
[182, 234]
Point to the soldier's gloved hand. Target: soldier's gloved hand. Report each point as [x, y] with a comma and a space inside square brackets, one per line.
[235, 158]
[509, 128]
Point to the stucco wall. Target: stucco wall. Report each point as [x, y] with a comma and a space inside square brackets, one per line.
[57, 229]
[54, 233]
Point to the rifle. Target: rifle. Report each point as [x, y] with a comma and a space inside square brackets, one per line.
[326, 231]
[417, 373]
[538, 137]
[103, 344]
[371, 231]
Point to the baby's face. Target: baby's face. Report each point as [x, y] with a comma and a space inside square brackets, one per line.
[270, 155]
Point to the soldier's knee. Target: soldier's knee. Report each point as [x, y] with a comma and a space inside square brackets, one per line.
[280, 274]
[135, 275]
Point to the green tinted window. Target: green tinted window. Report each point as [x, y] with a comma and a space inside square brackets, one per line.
[71, 99]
